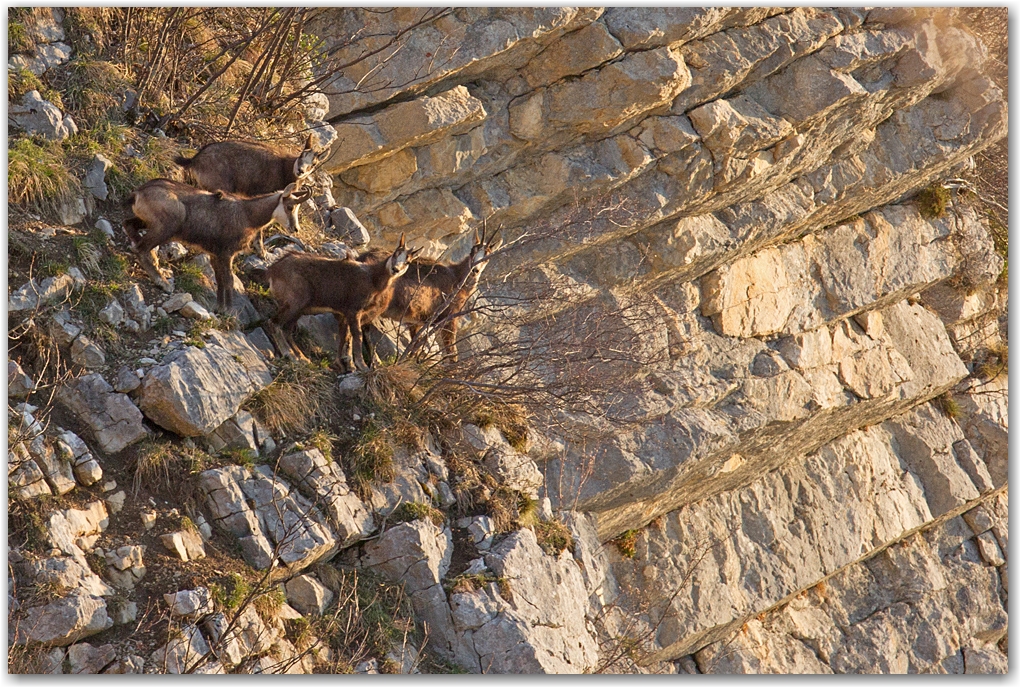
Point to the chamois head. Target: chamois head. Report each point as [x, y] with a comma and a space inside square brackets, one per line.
[308, 160]
[286, 213]
[481, 250]
[398, 263]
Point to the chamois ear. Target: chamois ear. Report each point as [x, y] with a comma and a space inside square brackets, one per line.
[478, 238]
[290, 189]
[308, 143]
[401, 244]
[414, 251]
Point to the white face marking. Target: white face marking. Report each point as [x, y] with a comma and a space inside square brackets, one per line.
[304, 164]
[286, 218]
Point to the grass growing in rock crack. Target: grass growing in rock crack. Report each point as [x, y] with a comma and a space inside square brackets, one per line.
[994, 361]
[933, 201]
[553, 536]
[411, 511]
[509, 418]
[626, 543]
[189, 277]
[948, 405]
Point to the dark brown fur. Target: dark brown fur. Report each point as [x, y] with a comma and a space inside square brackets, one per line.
[430, 292]
[249, 169]
[356, 292]
[217, 223]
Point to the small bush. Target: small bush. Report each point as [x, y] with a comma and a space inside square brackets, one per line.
[933, 201]
[994, 362]
[626, 543]
[230, 595]
[408, 512]
[553, 536]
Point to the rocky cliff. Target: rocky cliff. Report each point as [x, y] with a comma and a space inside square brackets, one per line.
[757, 227]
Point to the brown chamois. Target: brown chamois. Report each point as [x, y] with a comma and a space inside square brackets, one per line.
[355, 292]
[219, 224]
[430, 292]
[250, 169]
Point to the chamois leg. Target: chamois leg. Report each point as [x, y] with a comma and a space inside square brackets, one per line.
[280, 328]
[262, 244]
[144, 247]
[224, 281]
[344, 340]
[448, 334]
[354, 325]
[150, 265]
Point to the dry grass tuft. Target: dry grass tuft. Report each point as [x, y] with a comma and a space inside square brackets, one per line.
[166, 469]
[301, 396]
[38, 177]
[554, 537]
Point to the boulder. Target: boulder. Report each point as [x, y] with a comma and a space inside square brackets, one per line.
[74, 531]
[190, 603]
[195, 390]
[87, 353]
[186, 544]
[308, 595]
[115, 421]
[85, 659]
[271, 521]
[95, 176]
[325, 484]
[19, 384]
[37, 116]
[64, 621]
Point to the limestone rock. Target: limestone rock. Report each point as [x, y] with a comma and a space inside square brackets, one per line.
[87, 353]
[186, 544]
[195, 390]
[270, 520]
[19, 384]
[64, 621]
[38, 116]
[95, 176]
[113, 313]
[370, 139]
[190, 603]
[125, 567]
[308, 595]
[115, 421]
[134, 305]
[177, 301]
[86, 659]
[113, 418]
[324, 483]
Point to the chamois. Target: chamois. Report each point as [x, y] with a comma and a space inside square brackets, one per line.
[430, 292]
[250, 169]
[220, 224]
[356, 292]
